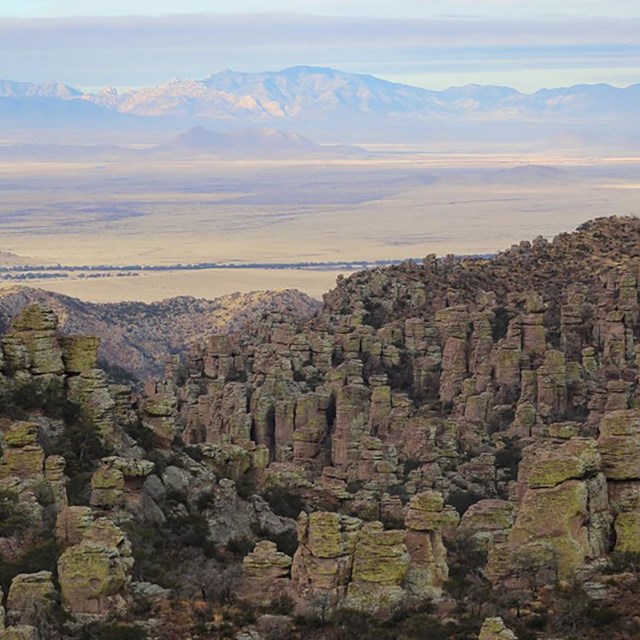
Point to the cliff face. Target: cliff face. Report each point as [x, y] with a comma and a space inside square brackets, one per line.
[461, 432]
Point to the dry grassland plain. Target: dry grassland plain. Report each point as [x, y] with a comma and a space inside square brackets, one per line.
[381, 207]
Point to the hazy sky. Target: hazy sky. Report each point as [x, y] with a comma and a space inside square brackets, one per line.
[433, 43]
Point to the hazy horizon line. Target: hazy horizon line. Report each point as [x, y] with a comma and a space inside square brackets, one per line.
[122, 89]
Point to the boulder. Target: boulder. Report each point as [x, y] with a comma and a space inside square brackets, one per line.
[31, 598]
[495, 629]
[95, 574]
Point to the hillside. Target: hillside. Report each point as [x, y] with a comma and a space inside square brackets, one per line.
[446, 450]
[249, 143]
[138, 337]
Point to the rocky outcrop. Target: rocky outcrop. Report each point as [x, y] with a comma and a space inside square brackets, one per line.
[426, 409]
[31, 598]
[426, 517]
[22, 457]
[95, 573]
[563, 517]
[380, 564]
[495, 629]
[33, 345]
[342, 562]
[265, 574]
[619, 444]
[323, 563]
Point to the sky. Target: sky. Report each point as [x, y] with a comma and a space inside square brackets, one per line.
[527, 44]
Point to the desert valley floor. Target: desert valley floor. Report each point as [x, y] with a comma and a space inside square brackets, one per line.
[391, 204]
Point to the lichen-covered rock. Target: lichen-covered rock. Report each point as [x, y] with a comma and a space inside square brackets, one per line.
[72, 524]
[323, 562]
[380, 556]
[54, 467]
[33, 344]
[265, 573]
[90, 390]
[627, 527]
[22, 457]
[80, 353]
[107, 487]
[563, 516]
[488, 522]
[21, 434]
[495, 629]
[426, 512]
[619, 444]
[329, 535]
[31, 598]
[380, 564]
[95, 574]
[425, 519]
[20, 632]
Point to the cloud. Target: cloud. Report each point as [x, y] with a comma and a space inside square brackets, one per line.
[146, 50]
[361, 8]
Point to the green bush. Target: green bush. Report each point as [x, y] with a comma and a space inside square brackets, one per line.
[240, 547]
[41, 555]
[623, 562]
[118, 374]
[499, 323]
[285, 503]
[508, 458]
[81, 446]
[375, 314]
[14, 517]
[286, 541]
[246, 485]
[462, 500]
[19, 398]
[113, 631]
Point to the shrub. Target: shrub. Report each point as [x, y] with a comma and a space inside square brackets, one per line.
[19, 398]
[41, 555]
[462, 500]
[14, 517]
[118, 374]
[113, 631]
[508, 458]
[500, 323]
[282, 605]
[240, 546]
[623, 562]
[246, 485]
[286, 541]
[375, 314]
[285, 503]
[81, 447]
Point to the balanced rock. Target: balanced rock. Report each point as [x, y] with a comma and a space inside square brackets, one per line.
[265, 573]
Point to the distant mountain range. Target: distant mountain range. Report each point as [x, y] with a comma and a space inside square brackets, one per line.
[326, 105]
[315, 92]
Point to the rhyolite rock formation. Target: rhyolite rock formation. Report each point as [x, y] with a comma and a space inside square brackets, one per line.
[457, 410]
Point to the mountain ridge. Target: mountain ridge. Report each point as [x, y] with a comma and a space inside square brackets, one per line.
[310, 92]
[137, 336]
